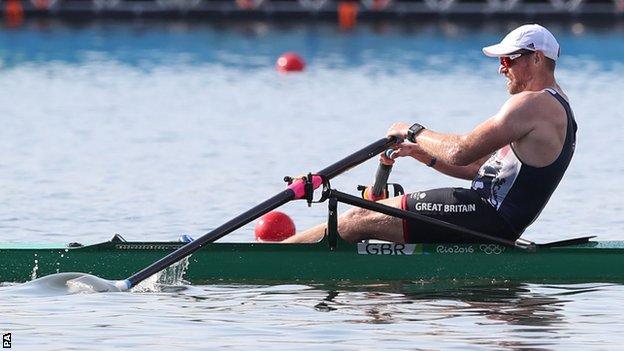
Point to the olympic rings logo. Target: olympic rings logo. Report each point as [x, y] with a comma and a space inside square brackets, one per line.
[492, 249]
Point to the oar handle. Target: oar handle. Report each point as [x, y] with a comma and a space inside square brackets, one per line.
[381, 176]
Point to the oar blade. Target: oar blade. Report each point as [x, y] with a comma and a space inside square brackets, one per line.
[87, 283]
[68, 284]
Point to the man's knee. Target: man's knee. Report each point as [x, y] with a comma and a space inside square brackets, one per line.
[357, 215]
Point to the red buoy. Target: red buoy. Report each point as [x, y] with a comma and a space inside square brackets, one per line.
[274, 226]
[290, 62]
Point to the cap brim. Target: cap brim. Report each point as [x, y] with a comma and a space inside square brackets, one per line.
[499, 50]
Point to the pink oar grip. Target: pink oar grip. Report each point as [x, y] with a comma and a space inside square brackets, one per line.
[298, 186]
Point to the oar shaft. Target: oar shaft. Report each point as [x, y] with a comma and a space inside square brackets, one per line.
[219, 232]
[381, 177]
[358, 157]
[294, 191]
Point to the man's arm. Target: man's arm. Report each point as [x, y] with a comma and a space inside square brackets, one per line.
[468, 172]
[463, 172]
[514, 120]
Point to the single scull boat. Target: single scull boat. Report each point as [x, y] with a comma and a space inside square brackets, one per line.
[204, 260]
[581, 260]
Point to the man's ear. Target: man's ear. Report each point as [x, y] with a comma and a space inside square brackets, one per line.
[538, 57]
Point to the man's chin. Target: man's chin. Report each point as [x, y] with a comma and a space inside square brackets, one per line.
[514, 89]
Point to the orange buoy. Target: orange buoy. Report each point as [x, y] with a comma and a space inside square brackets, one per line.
[347, 14]
[290, 62]
[14, 13]
[274, 226]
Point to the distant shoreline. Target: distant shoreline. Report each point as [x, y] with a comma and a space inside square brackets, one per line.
[324, 10]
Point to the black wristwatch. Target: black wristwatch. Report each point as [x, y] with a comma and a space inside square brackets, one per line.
[413, 131]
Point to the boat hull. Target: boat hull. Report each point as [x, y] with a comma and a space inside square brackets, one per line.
[246, 262]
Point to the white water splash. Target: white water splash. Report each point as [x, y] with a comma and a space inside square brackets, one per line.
[171, 276]
[75, 286]
[69, 283]
[33, 275]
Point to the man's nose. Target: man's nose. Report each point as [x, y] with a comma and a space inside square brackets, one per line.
[502, 69]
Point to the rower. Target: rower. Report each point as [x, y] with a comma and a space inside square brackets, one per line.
[515, 159]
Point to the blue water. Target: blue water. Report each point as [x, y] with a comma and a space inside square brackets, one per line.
[157, 129]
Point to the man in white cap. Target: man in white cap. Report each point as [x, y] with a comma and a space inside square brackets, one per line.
[515, 159]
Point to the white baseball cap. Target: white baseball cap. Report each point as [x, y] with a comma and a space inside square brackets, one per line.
[530, 37]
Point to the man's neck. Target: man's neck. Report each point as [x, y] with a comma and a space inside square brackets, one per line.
[542, 82]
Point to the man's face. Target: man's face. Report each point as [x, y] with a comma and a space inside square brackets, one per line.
[518, 73]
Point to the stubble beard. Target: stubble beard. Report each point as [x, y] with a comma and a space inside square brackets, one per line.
[515, 85]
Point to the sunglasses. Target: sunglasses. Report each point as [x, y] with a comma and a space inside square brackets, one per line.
[507, 61]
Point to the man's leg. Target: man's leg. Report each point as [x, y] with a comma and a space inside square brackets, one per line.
[359, 224]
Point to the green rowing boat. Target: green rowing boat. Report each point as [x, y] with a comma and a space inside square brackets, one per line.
[332, 259]
[580, 261]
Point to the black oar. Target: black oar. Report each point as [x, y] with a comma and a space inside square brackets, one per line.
[381, 177]
[294, 191]
[378, 190]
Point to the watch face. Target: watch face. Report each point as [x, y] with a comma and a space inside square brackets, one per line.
[416, 128]
[413, 131]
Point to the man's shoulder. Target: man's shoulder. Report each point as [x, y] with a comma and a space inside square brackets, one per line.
[533, 104]
[530, 98]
